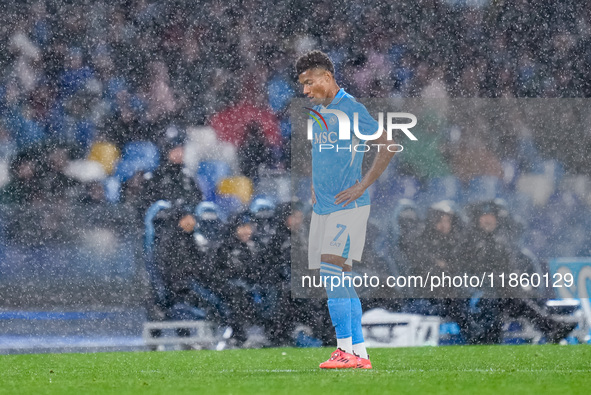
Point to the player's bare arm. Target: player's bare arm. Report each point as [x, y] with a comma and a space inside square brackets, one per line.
[380, 162]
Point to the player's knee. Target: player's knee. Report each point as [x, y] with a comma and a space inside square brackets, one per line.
[335, 260]
[333, 279]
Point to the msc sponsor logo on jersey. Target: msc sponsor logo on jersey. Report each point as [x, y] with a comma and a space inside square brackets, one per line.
[325, 137]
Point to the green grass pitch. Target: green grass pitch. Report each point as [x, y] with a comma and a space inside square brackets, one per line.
[536, 370]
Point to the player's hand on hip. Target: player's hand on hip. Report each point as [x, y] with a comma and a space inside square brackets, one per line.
[350, 194]
[313, 195]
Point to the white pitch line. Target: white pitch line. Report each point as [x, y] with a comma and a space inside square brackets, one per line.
[415, 370]
[488, 370]
[268, 371]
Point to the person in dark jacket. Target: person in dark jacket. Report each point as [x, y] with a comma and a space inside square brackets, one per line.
[237, 270]
[176, 253]
[438, 251]
[397, 242]
[489, 248]
[440, 240]
[253, 152]
[23, 186]
[280, 312]
[171, 181]
[184, 270]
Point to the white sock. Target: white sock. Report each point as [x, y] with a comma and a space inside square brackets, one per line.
[346, 344]
[360, 350]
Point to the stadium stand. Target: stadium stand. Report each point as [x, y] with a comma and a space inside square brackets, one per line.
[106, 77]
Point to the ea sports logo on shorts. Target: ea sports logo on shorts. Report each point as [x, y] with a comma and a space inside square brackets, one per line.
[327, 140]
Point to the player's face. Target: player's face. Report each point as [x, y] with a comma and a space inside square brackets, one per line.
[316, 83]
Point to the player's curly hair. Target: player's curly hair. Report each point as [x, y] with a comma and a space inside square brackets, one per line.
[312, 60]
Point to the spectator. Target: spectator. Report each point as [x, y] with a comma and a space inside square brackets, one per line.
[125, 124]
[438, 252]
[488, 249]
[282, 313]
[94, 194]
[175, 251]
[190, 76]
[275, 280]
[232, 125]
[159, 96]
[171, 181]
[439, 242]
[54, 183]
[182, 268]
[237, 271]
[402, 234]
[209, 225]
[22, 187]
[133, 193]
[253, 153]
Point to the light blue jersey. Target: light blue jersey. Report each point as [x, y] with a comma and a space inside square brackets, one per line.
[336, 169]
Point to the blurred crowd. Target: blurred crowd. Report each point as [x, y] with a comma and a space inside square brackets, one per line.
[93, 82]
[241, 273]
[482, 237]
[121, 71]
[236, 273]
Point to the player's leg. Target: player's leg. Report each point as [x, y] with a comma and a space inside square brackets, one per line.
[344, 236]
[322, 234]
[335, 247]
[339, 302]
[339, 308]
[357, 339]
[357, 224]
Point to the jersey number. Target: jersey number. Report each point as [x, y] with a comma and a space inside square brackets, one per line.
[342, 229]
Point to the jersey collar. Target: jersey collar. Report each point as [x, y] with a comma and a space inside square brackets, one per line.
[340, 94]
